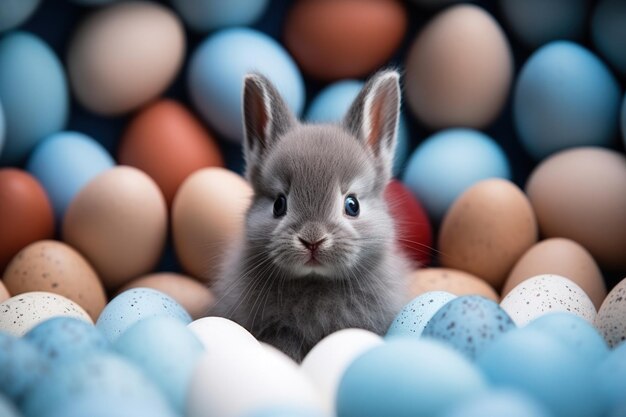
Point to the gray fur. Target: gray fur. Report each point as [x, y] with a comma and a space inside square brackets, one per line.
[265, 285]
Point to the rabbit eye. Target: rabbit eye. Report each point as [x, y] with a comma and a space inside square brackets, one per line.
[280, 206]
[351, 206]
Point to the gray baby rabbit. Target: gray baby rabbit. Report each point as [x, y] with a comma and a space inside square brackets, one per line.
[319, 251]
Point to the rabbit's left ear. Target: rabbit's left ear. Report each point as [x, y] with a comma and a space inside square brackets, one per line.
[374, 114]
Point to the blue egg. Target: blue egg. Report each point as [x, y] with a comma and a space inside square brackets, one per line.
[101, 406]
[536, 22]
[21, 366]
[102, 378]
[64, 163]
[332, 104]
[217, 69]
[448, 163]
[66, 338]
[206, 15]
[137, 304]
[34, 94]
[167, 352]
[575, 332]
[415, 315]
[565, 97]
[500, 403]
[15, 12]
[608, 32]
[469, 324]
[285, 411]
[407, 377]
[7, 409]
[610, 377]
[545, 369]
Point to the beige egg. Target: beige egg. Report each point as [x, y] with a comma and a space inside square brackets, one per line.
[22, 312]
[124, 55]
[118, 221]
[450, 280]
[459, 69]
[55, 267]
[563, 257]
[580, 194]
[208, 216]
[194, 296]
[4, 294]
[611, 318]
[487, 229]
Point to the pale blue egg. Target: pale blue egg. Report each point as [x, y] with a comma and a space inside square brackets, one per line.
[66, 339]
[610, 377]
[536, 22]
[576, 334]
[64, 163]
[332, 104]
[565, 97]
[541, 366]
[415, 315]
[608, 31]
[217, 69]
[137, 304]
[469, 324]
[206, 15]
[407, 377]
[500, 403]
[21, 366]
[15, 12]
[7, 409]
[166, 351]
[448, 163]
[97, 406]
[34, 94]
[286, 411]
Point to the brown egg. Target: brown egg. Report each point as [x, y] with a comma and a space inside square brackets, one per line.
[487, 229]
[119, 222]
[560, 257]
[450, 280]
[580, 194]
[4, 294]
[124, 55]
[194, 296]
[168, 143]
[333, 39]
[459, 69]
[25, 213]
[207, 218]
[55, 267]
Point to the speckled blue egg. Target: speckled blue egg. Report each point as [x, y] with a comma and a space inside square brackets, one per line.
[541, 366]
[217, 69]
[286, 411]
[64, 163]
[448, 163]
[136, 304]
[608, 32]
[166, 351]
[102, 378]
[7, 409]
[332, 103]
[21, 366]
[34, 94]
[67, 338]
[565, 97]
[415, 315]
[500, 403]
[610, 377]
[15, 12]
[206, 15]
[407, 377]
[576, 334]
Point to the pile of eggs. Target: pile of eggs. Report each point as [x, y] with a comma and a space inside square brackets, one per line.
[121, 191]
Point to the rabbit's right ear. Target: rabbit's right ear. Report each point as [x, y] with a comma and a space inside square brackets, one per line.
[266, 117]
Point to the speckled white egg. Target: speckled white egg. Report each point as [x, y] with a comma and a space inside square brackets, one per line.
[543, 294]
[414, 317]
[611, 318]
[21, 313]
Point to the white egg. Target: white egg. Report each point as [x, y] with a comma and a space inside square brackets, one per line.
[222, 336]
[611, 318]
[21, 313]
[543, 294]
[328, 360]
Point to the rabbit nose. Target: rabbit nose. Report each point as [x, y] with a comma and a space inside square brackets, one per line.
[312, 246]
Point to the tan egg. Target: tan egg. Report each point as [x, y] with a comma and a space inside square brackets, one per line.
[208, 215]
[194, 296]
[560, 257]
[55, 267]
[487, 229]
[580, 194]
[124, 55]
[4, 294]
[450, 280]
[459, 69]
[118, 221]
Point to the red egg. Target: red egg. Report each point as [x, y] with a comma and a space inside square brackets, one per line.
[413, 229]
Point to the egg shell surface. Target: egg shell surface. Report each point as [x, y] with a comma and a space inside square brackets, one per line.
[22, 366]
[449, 280]
[611, 318]
[414, 316]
